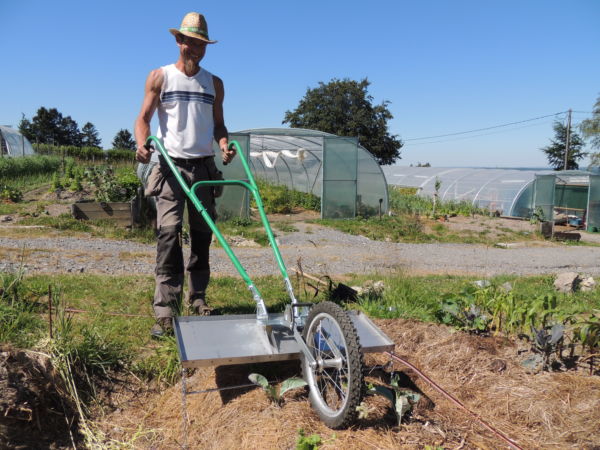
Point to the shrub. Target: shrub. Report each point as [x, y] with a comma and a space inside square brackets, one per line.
[11, 168]
[10, 194]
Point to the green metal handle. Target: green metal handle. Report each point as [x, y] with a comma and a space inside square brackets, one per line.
[191, 194]
[251, 185]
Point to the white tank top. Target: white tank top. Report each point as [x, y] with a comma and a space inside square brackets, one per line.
[185, 113]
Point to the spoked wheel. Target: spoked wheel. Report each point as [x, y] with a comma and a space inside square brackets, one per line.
[335, 380]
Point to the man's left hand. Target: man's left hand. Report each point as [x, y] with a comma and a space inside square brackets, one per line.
[228, 153]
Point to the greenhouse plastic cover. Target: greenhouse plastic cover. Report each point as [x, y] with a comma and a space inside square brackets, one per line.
[508, 191]
[337, 169]
[16, 143]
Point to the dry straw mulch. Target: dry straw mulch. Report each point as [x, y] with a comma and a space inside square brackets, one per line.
[545, 410]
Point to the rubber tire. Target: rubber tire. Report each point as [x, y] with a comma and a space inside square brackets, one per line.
[347, 414]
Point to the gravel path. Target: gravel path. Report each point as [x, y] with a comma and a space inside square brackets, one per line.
[321, 250]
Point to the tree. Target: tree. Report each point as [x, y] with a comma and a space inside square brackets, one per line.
[49, 126]
[124, 141]
[590, 129]
[555, 152]
[89, 136]
[71, 134]
[344, 107]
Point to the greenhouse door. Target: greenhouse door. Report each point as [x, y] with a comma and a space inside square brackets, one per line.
[593, 206]
[235, 199]
[338, 199]
[543, 196]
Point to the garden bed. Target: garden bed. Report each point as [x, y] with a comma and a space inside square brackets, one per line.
[546, 410]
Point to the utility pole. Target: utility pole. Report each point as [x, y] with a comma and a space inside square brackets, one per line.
[568, 141]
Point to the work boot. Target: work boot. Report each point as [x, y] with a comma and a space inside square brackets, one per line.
[200, 308]
[162, 327]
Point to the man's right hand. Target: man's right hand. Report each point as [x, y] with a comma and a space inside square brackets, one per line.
[143, 154]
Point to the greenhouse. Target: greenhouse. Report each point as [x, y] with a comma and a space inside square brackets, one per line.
[13, 143]
[566, 195]
[571, 196]
[343, 174]
[503, 190]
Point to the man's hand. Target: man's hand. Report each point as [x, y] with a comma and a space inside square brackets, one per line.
[228, 153]
[143, 154]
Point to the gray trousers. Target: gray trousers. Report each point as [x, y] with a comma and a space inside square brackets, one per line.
[170, 205]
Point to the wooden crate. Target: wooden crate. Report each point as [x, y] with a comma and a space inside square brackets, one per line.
[119, 212]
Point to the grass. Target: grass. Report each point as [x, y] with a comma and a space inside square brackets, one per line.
[97, 228]
[103, 296]
[413, 229]
[29, 182]
[20, 321]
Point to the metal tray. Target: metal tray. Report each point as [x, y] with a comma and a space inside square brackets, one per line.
[238, 339]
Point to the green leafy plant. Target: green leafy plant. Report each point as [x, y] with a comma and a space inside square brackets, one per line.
[546, 341]
[56, 182]
[464, 312]
[304, 442]
[113, 187]
[402, 399]
[274, 394]
[10, 194]
[587, 333]
[537, 215]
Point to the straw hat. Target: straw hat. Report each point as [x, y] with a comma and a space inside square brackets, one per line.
[194, 26]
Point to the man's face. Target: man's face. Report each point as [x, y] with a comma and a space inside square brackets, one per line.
[193, 49]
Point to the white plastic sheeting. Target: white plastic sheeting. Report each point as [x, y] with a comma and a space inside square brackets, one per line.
[337, 169]
[15, 144]
[507, 191]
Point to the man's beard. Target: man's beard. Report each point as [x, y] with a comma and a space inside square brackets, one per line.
[190, 63]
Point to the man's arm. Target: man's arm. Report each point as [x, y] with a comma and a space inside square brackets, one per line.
[149, 105]
[220, 131]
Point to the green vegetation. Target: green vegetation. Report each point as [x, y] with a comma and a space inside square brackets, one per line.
[412, 228]
[530, 307]
[245, 228]
[273, 393]
[310, 442]
[113, 185]
[406, 201]
[532, 301]
[11, 168]
[402, 399]
[97, 228]
[283, 200]
[10, 194]
[20, 321]
[555, 152]
[345, 108]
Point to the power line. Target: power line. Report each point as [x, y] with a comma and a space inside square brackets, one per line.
[412, 144]
[484, 129]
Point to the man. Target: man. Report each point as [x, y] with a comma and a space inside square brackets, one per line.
[189, 101]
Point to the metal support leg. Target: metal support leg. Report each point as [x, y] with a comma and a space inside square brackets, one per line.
[184, 407]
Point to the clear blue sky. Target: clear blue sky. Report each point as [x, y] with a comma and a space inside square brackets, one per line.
[445, 66]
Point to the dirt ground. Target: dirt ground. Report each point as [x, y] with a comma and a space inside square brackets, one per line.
[35, 412]
[536, 410]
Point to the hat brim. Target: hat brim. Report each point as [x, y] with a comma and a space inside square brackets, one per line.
[175, 32]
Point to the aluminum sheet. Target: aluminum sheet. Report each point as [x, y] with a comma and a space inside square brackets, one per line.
[238, 339]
